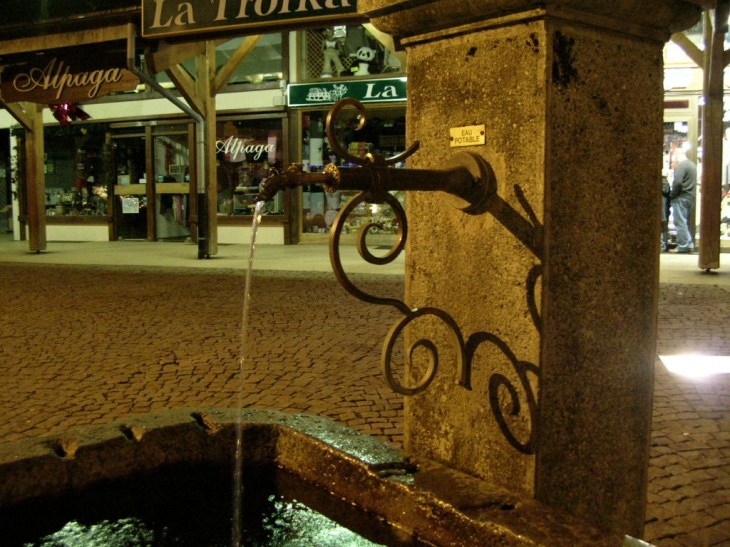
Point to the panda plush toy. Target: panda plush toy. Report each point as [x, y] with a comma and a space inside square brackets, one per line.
[365, 56]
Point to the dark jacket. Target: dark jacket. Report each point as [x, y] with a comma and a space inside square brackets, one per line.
[685, 180]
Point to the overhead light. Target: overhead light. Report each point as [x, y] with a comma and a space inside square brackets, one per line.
[696, 366]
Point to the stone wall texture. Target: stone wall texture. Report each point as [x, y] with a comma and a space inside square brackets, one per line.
[554, 289]
[473, 267]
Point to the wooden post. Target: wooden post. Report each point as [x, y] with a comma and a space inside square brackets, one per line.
[150, 177]
[712, 130]
[30, 116]
[206, 71]
[193, 192]
[35, 179]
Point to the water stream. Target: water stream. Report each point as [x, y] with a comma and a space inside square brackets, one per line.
[182, 507]
[242, 355]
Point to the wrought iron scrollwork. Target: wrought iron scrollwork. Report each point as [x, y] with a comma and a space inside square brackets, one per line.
[369, 159]
[470, 178]
[498, 381]
[409, 314]
[528, 231]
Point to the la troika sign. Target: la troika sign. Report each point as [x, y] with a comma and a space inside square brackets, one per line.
[366, 91]
[175, 17]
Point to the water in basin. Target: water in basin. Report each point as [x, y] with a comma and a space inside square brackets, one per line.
[185, 506]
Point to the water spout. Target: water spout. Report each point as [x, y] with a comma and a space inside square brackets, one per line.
[467, 176]
[236, 533]
[375, 178]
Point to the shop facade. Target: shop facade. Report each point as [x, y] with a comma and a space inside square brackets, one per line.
[93, 193]
[123, 165]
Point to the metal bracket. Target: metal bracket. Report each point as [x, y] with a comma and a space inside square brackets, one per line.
[472, 186]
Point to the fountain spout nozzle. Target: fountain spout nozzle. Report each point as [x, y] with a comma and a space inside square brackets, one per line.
[293, 177]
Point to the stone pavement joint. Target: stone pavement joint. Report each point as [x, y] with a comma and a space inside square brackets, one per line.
[84, 345]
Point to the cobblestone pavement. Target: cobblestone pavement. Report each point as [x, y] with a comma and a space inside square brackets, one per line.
[87, 345]
[689, 472]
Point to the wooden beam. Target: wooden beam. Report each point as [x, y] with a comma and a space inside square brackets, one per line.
[168, 55]
[205, 70]
[35, 183]
[68, 39]
[20, 115]
[692, 51]
[225, 73]
[186, 85]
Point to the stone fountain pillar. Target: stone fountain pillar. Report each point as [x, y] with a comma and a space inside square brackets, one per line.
[555, 288]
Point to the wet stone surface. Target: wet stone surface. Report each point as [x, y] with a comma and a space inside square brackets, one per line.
[91, 345]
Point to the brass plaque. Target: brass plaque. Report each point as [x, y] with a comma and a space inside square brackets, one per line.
[471, 135]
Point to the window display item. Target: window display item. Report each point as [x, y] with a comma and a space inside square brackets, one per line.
[248, 151]
[331, 52]
[365, 56]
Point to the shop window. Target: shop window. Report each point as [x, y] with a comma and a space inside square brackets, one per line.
[78, 170]
[247, 152]
[346, 51]
[383, 134]
[264, 64]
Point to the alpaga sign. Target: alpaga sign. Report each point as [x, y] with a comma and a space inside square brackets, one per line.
[174, 17]
[58, 80]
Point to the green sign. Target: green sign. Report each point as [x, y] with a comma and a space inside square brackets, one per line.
[365, 91]
[176, 17]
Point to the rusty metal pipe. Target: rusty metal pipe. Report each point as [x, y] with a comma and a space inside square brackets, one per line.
[467, 176]
[375, 180]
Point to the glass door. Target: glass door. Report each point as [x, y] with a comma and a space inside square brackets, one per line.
[130, 188]
[171, 165]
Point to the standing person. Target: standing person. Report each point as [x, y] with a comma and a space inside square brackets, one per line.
[683, 200]
[666, 211]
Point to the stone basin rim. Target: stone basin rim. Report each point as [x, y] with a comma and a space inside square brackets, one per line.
[419, 497]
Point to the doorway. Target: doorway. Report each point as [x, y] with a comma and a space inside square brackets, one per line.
[171, 172]
[130, 196]
[152, 190]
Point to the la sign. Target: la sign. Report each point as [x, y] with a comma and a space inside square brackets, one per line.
[365, 91]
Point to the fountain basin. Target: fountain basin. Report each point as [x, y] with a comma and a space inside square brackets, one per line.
[414, 499]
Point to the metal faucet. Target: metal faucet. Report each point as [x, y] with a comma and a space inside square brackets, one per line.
[465, 177]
